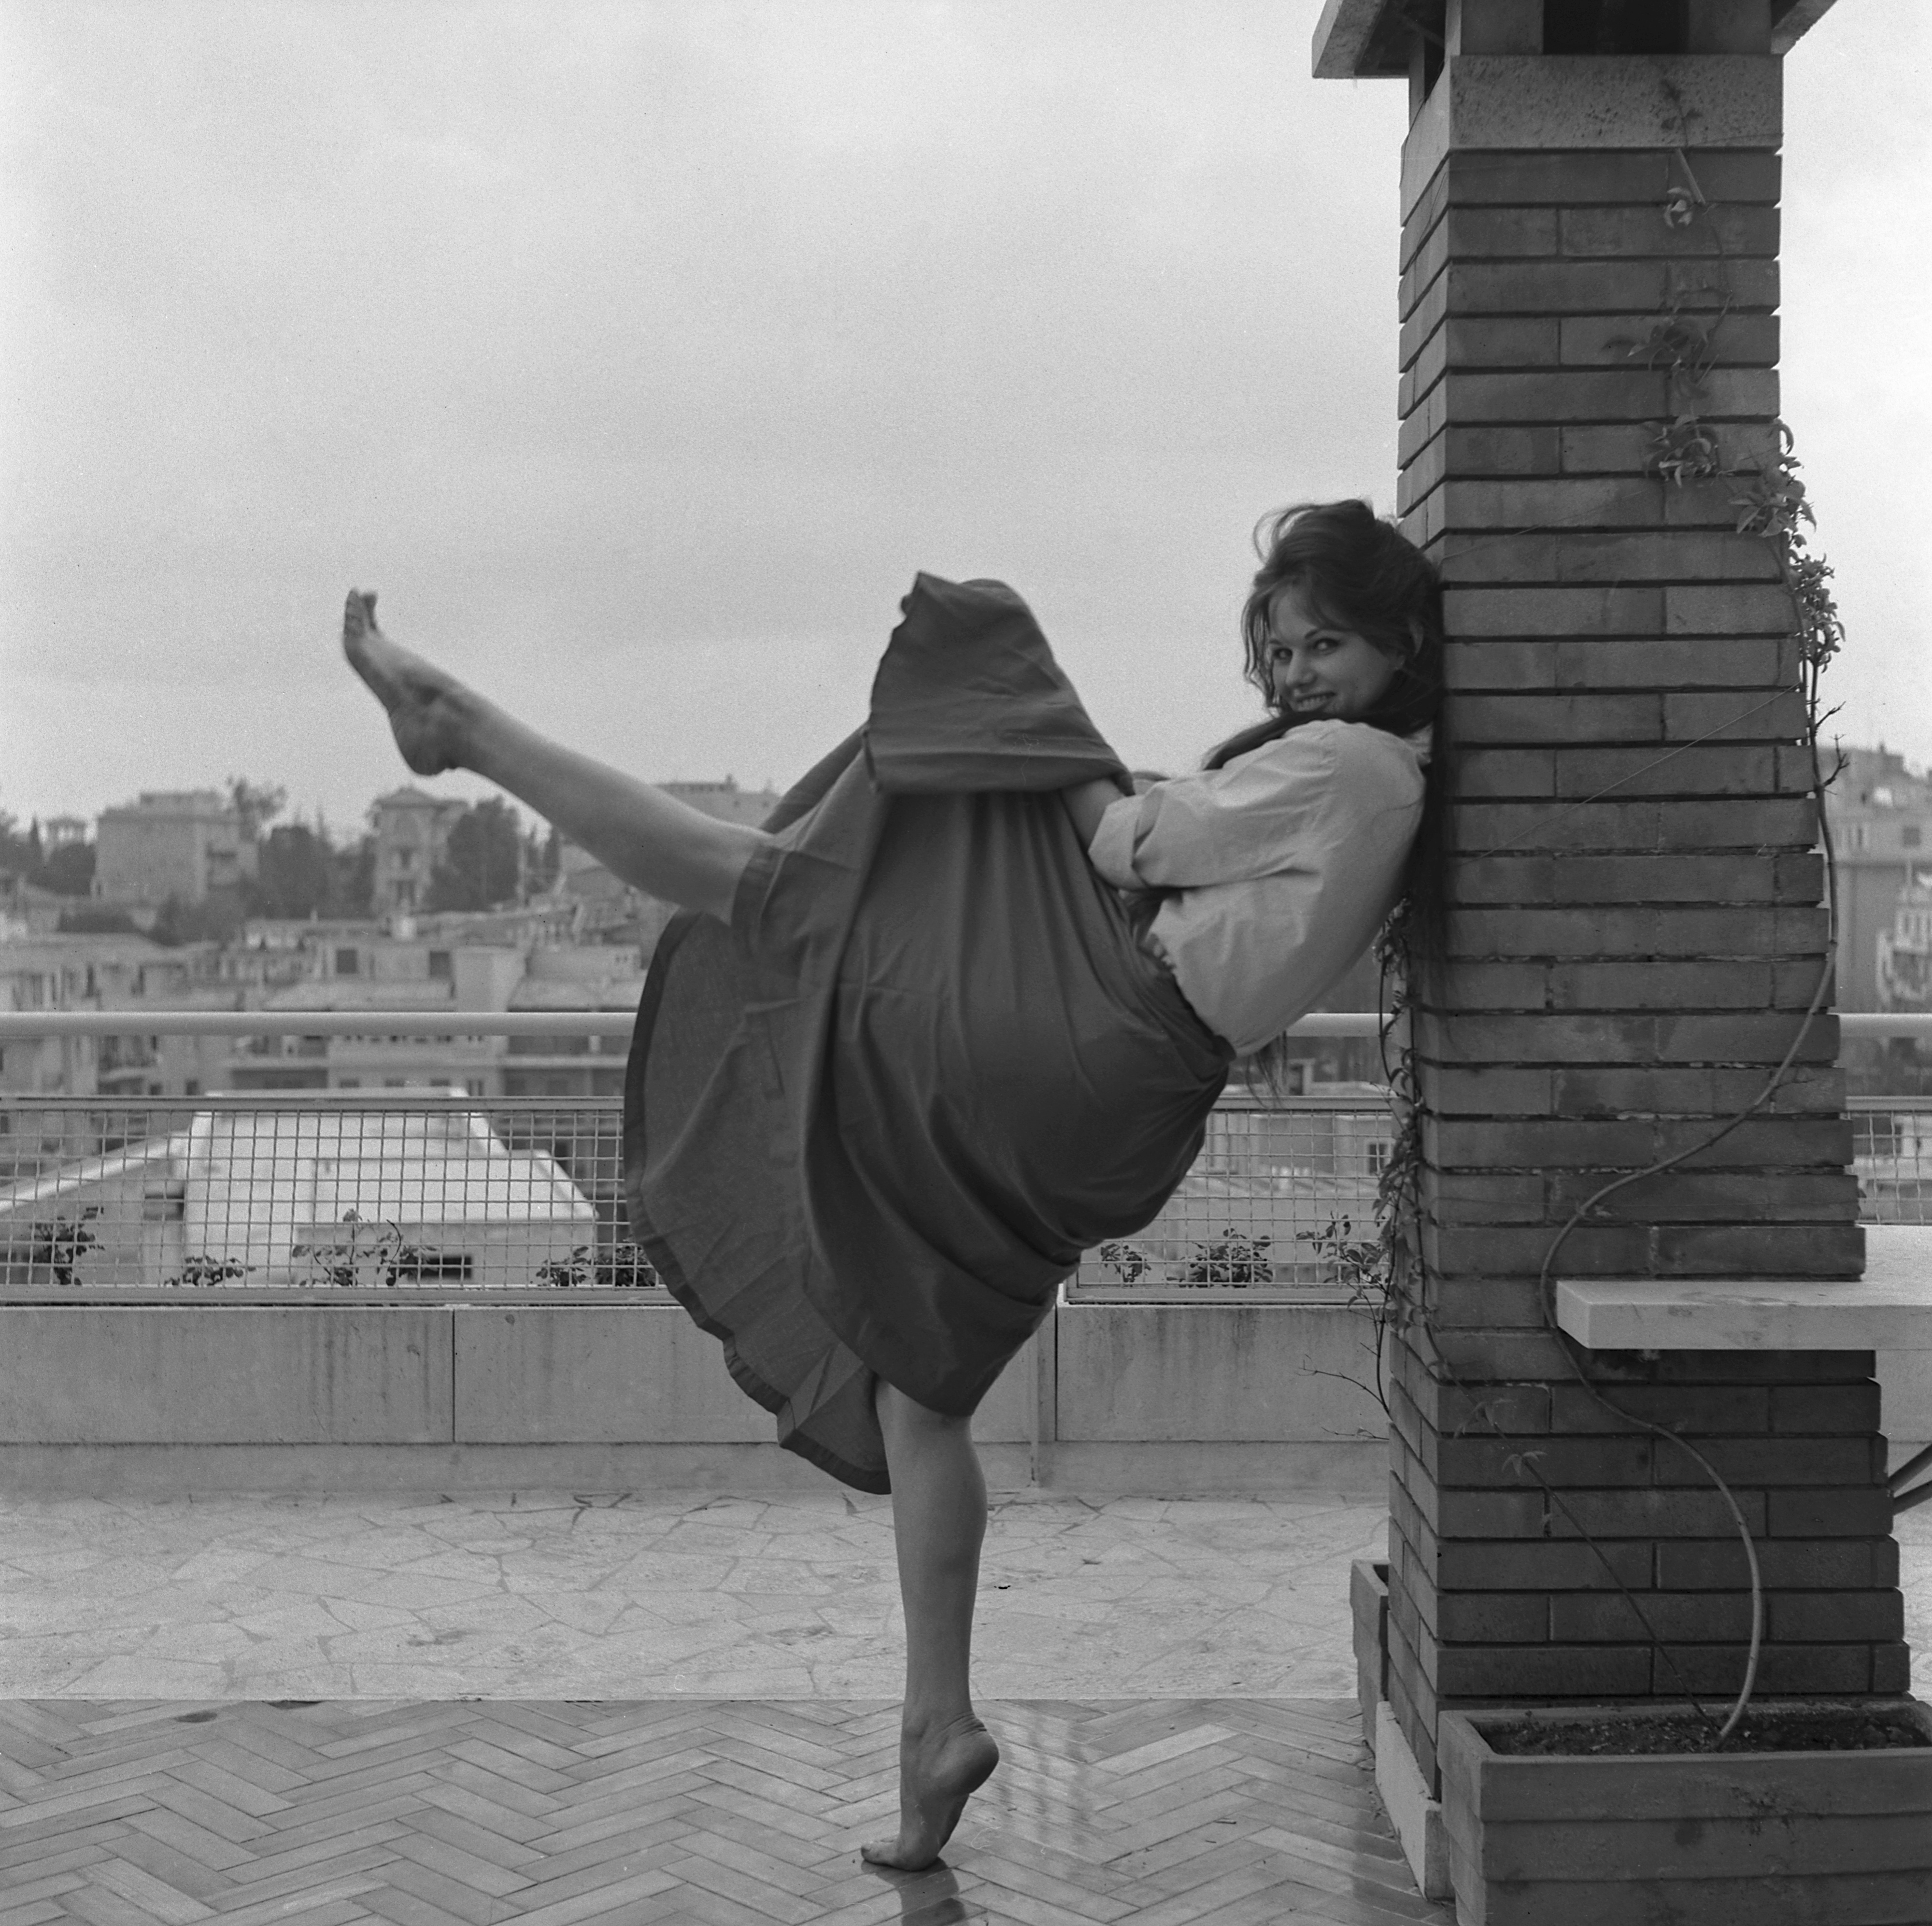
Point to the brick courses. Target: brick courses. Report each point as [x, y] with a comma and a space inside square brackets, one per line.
[1634, 934]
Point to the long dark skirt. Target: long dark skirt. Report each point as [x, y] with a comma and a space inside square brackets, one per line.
[871, 1126]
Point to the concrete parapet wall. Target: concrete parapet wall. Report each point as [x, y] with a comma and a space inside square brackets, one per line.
[1209, 1397]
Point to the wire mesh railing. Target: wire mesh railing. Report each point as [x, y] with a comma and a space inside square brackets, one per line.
[288, 1193]
[283, 1193]
[292, 1193]
[1892, 1157]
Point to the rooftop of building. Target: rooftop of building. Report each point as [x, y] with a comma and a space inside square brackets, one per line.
[174, 803]
[362, 993]
[1877, 781]
[604, 993]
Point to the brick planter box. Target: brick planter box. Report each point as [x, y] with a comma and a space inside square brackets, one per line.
[1733, 1839]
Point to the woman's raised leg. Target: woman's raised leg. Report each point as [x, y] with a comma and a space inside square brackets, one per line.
[652, 841]
[939, 1522]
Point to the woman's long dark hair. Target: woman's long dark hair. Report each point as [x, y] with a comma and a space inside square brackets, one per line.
[1359, 573]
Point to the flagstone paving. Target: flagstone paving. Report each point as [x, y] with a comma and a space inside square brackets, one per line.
[549, 1595]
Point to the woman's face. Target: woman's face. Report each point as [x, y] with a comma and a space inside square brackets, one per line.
[1317, 669]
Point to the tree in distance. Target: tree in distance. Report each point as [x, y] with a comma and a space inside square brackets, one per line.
[482, 863]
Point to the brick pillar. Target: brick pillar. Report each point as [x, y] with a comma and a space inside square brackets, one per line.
[1635, 927]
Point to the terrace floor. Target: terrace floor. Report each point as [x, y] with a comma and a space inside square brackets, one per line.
[544, 1708]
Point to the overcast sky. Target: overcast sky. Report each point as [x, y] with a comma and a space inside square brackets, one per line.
[637, 353]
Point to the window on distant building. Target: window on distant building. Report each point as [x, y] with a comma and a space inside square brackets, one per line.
[439, 964]
[1910, 836]
[348, 962]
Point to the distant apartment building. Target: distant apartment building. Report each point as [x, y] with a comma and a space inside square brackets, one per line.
[182, 843]
[411, 834]
[606, 978]
[1879, 812]
[119, 973]
[370, 972]
[725, 800]
[1905, 951]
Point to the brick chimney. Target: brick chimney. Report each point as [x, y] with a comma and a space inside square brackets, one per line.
[1635, 930]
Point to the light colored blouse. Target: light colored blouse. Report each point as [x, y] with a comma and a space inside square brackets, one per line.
[1282, 863]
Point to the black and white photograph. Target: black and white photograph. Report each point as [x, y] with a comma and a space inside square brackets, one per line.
[965, 961]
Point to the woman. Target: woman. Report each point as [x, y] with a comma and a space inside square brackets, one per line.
[959, 1009]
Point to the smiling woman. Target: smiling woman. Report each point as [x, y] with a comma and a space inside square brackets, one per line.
[958, 1009]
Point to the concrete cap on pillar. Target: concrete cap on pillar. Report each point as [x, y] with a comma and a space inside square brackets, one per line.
[1371, 40]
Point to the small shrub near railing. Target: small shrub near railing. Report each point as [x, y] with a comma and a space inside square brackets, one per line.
[384, 1262]
[1233, 1258]
[59, 1243]
[623, 1267]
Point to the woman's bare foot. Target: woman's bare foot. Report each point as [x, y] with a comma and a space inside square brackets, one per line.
[428, 710]
[938, 1773]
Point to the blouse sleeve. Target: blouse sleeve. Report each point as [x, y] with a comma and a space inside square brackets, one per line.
[1226, 825]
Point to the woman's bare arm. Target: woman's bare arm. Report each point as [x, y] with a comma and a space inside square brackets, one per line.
[1087, 803]
[648, 839]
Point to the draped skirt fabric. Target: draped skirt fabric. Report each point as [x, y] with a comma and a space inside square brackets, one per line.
[872, 1125]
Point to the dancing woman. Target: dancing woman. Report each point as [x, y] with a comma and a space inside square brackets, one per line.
[959, 1009]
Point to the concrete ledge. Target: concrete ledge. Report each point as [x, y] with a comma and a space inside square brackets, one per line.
[1889, 1309]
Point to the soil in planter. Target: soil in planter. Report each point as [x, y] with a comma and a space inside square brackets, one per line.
[1842, 1729]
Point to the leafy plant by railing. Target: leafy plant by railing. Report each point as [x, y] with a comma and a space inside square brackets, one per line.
[381, 1263]
[623, 1267]
[203, 1273]
[1233, 1258]
[59, 1243]
[1238, 1259]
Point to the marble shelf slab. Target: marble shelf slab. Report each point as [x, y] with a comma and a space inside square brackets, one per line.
[1889, 1309]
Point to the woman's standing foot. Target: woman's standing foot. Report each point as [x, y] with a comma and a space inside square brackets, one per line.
[428, 709]
[939, 1772]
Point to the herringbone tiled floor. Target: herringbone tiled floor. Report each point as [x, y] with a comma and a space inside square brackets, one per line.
[663, 1811]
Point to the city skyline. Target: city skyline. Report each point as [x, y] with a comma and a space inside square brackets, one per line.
[637, 356]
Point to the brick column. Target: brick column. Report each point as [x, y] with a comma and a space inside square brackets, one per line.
[1635, 927]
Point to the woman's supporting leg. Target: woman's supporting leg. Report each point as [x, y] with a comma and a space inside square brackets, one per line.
[939, 1522]
[650, 840]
